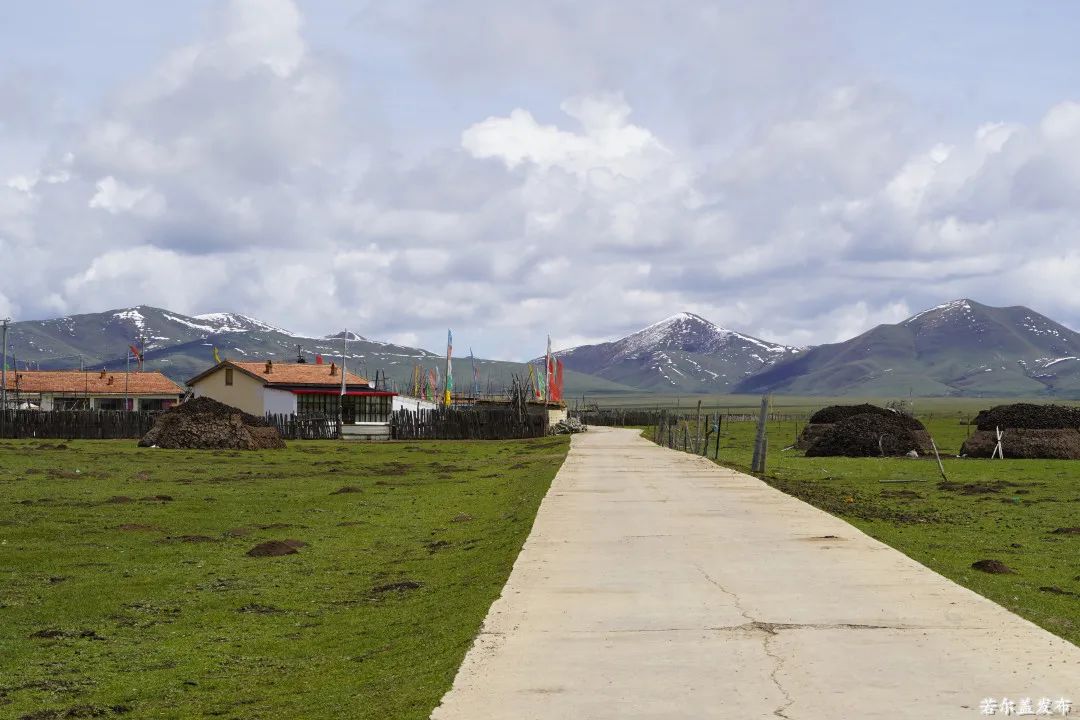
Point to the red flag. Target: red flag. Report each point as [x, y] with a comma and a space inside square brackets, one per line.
[559, 383]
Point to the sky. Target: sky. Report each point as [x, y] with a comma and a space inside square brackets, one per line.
[799, 171]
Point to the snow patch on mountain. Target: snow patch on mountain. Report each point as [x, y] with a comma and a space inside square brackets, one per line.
[943, 313]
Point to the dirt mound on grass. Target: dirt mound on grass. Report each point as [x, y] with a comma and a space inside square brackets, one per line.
[836, 413]
[823, 421]
[871, 435]
[994, 567]
[1024, 443]
[207, 424]
[1029, 416]
[276, 548]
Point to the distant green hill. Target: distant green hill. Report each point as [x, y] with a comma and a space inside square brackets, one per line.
[959, 348]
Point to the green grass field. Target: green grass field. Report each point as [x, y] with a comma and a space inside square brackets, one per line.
[989, 510]
[794, 404]
[126, 590]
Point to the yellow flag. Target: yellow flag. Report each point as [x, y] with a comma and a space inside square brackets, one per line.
[217, 358]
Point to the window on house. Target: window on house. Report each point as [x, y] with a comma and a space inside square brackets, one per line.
[228, 376]
[109, 403]
[318, 405]
[366, 408]
[152, 404]
[71, 403]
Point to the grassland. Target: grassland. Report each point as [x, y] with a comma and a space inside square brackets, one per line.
[126, 590]
[1015, 511]
[797, 404]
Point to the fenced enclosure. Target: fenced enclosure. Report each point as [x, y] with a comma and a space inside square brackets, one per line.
[617, 417]
[304, 427]
[636, 417]
[75, 424]
[467, 424]
[698, 434]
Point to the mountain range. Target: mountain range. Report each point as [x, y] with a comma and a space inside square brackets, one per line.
[957, 348]
[684, 353]
[181, 346]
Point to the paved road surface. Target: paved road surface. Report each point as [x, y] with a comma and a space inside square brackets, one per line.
[658, 585]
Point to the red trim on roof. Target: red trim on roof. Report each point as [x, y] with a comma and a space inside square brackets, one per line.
[307, 391]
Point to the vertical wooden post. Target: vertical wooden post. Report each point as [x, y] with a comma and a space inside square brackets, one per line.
[697, 427]
[936, 455]
[756, 462]
[719, 425]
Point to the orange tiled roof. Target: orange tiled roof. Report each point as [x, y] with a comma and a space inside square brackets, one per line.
[91, 382]
[288, 373]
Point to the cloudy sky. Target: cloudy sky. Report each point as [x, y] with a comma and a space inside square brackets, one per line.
[797, 170]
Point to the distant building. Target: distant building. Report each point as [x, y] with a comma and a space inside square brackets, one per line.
[90, 390]
[306, 389]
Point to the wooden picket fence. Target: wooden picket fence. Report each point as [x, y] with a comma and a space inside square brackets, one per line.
[466, 424]
[75, 424]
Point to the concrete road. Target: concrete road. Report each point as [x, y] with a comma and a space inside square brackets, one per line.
[658, 585]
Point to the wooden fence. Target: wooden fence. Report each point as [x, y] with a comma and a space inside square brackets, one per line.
[304, 427]
[75, 424]
[466, 424]
[615, 417]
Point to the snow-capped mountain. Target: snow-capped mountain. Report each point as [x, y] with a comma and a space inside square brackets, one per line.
[682, 353]
[959, 347]
[182, 345]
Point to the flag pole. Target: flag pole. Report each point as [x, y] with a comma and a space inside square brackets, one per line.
[3, 378]
[547, 372]
[341, 400]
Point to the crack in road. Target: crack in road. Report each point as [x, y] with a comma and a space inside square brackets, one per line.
[769, 629]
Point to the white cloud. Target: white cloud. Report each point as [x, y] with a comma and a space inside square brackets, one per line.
[729, 171]
[115, 197]
[609, 145]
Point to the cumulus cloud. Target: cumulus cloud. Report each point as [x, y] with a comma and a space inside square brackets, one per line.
[733, 170]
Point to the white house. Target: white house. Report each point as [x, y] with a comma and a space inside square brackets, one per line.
[304, 389]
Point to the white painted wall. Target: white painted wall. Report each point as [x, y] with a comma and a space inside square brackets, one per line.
[279, 402]
[404, 402]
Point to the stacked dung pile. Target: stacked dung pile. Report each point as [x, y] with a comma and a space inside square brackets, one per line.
[1028, 431]
[204, 423]
[822, 422]
[870, 434]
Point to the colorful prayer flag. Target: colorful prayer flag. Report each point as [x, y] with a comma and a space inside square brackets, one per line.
[449, 367]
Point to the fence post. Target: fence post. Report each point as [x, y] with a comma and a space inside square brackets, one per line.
[756, 463]
[719, 425]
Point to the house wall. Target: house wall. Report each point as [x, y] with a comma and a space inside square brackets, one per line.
[366, 431]
[245, 393]
[405, 402]
[280, 402]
